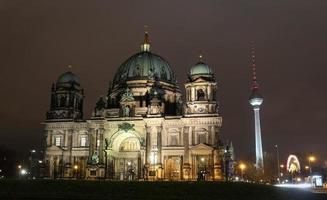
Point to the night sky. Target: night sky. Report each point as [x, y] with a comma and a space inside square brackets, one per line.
[40, 38]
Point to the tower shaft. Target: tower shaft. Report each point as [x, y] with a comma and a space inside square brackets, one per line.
[258, 143]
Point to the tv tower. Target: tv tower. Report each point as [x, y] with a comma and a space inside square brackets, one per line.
[256, 100]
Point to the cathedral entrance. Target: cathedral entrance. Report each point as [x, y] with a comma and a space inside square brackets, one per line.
[126, 156]
[127, 168]
[173, 168]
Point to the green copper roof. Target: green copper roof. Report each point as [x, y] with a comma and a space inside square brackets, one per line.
[200, 69]
[68, 77]
[144, 65]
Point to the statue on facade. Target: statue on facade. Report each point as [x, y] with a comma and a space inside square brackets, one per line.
[95, 158]
[127, 95]
[179, 107]
[126, 111]
[100, 106]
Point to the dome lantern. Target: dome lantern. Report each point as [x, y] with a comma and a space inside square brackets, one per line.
[145, 47]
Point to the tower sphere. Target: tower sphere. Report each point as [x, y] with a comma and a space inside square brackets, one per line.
[255, 99]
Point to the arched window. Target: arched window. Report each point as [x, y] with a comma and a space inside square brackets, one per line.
[200, 95]
[173, 140]
[202, 138]
[83, 141]
[130, 144]
[63, 101]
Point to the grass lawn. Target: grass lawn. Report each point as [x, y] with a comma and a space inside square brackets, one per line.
[91, 190]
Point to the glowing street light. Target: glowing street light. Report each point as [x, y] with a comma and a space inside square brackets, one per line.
[76, 168]
[23, 172]
[19, 166]
[242, 167]
[282, 166]
[311, 160]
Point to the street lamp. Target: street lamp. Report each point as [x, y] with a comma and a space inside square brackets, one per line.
[76, 168]
[278, 165]
[242, 167]
[311, 160]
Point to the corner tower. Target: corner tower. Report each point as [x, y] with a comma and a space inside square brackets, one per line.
[255, 101]
[201, 91]
[67, 97]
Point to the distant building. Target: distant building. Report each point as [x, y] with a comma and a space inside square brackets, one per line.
[141, 129]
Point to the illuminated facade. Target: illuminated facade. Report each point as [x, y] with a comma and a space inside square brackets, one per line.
[141, 130]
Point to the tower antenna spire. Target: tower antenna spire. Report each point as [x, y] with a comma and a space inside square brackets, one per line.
[255, 85]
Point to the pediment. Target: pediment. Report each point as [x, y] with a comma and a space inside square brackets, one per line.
[54, 148]
[201, 146]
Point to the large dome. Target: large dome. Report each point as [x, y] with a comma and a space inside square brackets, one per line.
[144, 65]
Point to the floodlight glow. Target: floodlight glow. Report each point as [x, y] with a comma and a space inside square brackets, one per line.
[23, 172]
[300, 186]
[312, 158]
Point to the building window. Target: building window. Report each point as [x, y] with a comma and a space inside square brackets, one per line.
[83, 141]
[202, 138]
[130, 144]
[200, 95]
[153, 158]
[58, 141]
[173, 140]
[93, 172]
[98, 143]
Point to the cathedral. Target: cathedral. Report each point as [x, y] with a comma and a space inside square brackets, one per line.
[142, 130]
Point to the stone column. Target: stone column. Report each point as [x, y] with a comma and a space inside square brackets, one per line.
[100, 153]
[186, 144]
[148, 145]
[70, 143]
[159, 144]
[91, 144]
[159, 147]
[186, 162]
[193, 94]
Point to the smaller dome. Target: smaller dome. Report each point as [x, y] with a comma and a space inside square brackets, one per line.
[68, 77]
[200, 68]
